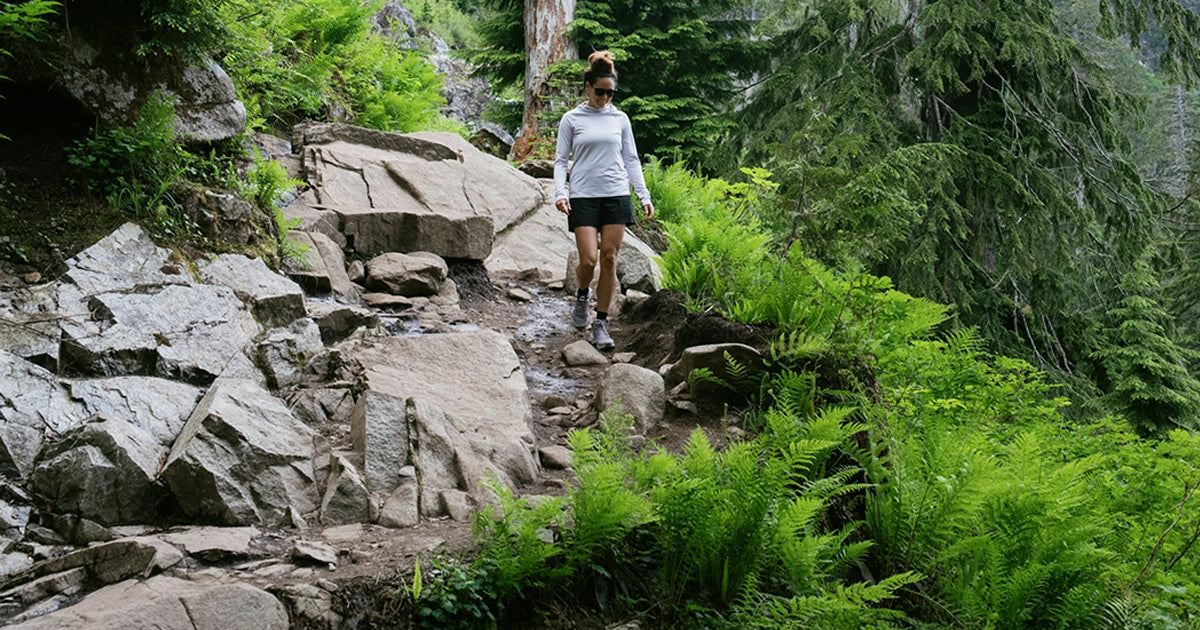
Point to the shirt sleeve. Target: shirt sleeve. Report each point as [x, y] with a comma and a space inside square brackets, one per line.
[633, 165]
[566, 135]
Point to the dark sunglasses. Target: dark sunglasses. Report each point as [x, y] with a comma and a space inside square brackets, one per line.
[604, 92]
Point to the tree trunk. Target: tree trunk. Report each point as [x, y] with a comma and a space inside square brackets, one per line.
[546, 43]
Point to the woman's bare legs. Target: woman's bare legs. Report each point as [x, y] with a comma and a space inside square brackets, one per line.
[610, 243]
[610, 237]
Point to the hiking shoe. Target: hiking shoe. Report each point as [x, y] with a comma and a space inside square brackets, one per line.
[600, 337]
[579, 315]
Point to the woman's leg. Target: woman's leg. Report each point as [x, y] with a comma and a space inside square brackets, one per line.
[610, 243]
[585, 242]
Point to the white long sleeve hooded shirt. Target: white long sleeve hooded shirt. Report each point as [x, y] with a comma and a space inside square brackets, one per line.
[605, 156]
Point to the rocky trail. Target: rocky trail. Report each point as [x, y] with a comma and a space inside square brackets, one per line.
[186, 430]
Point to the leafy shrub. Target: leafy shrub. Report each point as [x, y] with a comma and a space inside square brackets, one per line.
[134, 167]
[320, 60]
[455, 595]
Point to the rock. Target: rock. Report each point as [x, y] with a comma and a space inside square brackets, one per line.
[242, 459]
[102, 470]
[386, 301]
[520, 295]
[29, 323]
[213, 544]
[12, 563]
[637, 268]
[712, 357]
[106, 562]
[321, 405]
[274, 299]
[379, 431]
[32, 402]
[456, 504]
[337, 321]
[535, 247]
[62, 584]
[187, 333]
[397, 193]
[555, 457]
[309, 606]
[169, 603]
[458, 390]
[437, 454]
[543, 169]
[402, 508]
[633, 390]
[309, 216]
[346, 497]
[158, 406]
[581, 352]
[124, 261]
[224, 217]
[111, 80]
[323, 267]
[411, 275]
[493, 140]
[13, 518]
[285, 353]
[491, 183]
[314, 551]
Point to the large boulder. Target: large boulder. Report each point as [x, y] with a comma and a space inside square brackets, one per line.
[107, 76]
[158, 406]
[534, 248]
[126, 260]
[419, 274]
[456, 406]
[633, 390]
[103, 470]
[242, 459]
[29, 323]
[169, 603]
[429, 192]
[274, 299]
[33, 402]
[188, 333]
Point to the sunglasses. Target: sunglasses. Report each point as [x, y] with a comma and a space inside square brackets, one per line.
[604, 92]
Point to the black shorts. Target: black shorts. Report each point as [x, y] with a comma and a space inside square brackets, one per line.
[599, 211]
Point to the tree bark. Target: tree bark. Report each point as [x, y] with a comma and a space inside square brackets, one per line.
[546, 43]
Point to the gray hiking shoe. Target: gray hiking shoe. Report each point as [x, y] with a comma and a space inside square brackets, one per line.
[600, 337]
[579, 314]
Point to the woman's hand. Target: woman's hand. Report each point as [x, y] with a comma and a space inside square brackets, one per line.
[563, 205]
[648, 208]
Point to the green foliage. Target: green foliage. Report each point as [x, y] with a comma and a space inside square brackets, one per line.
[320, 60]
[1145, 372]
[450, 21]
[680, 64]
[24, 21]
[456, 595]
[135, 167]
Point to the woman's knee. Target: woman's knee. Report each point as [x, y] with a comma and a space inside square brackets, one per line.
[608, 259]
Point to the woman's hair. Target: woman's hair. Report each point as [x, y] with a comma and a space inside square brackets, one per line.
[600, 66]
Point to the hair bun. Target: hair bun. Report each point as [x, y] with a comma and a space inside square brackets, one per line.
[601, 63]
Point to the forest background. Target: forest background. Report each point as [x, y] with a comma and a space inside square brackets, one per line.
[971, 225]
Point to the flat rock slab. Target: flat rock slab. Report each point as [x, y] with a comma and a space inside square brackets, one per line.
[213, 543]
[167, 603]
[125, 260]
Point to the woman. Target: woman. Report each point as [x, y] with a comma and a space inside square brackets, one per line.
[600, 140]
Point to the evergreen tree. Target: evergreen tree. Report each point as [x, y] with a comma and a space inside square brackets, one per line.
[683, 65]
[1024, 207]
[1144, 372]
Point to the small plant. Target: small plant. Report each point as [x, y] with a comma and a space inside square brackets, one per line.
[457, 595]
